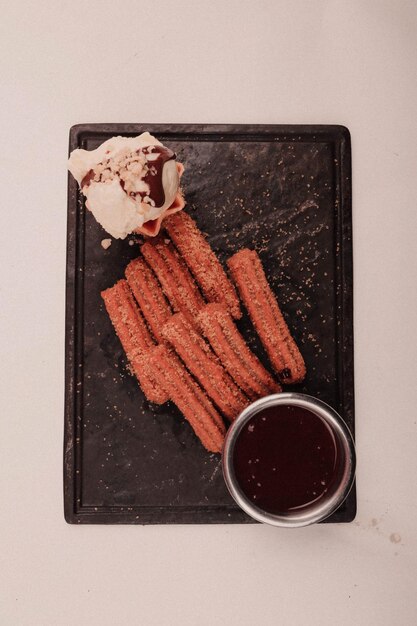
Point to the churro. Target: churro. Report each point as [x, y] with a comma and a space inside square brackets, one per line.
[243, 366]
[177, 282]
[134, 336]
[204, 365]
[202, 262]
[249, 276]
[190, 399]
[149, 295]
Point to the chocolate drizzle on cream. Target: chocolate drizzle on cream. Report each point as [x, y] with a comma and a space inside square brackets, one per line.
[151, 174]
[87, 178]
[153, 177]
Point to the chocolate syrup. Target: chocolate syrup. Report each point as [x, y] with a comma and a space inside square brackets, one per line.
[153, 177]
[286, 459]
[88, 178]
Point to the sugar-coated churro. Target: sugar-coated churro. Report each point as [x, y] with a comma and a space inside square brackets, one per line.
[149, 295]
[244, 367]
[176, 281]
[249, 276]
[204, 365]
[134, 336]
[202, 262]
[191, 400]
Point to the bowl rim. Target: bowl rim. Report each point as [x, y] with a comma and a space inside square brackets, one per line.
[340, 431]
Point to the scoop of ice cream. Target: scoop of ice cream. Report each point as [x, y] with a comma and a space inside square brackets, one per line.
[127, 181]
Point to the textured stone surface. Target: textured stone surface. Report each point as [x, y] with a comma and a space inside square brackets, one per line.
[281, 190]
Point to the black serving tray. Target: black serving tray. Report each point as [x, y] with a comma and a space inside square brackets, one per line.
[284, 190]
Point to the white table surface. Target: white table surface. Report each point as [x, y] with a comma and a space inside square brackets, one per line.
[352, 63]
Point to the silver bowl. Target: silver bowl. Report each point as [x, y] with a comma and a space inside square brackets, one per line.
[342, 435]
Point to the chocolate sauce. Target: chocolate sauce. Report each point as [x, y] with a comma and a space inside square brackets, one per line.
[285, 459]
[153, 178]
[87, 178]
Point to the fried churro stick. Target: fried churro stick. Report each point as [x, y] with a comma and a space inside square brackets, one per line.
[134, 336]
[249, 276]
[149, 295]
[205, 366]
[202, 262]
[177, 282]
[191, 400]
[243, 366]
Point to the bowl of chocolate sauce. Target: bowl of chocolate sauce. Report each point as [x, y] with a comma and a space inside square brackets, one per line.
[289, 460]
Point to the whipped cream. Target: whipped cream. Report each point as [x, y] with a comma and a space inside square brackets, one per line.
[127, 181]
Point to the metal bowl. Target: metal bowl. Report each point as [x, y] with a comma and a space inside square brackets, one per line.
[345, 442]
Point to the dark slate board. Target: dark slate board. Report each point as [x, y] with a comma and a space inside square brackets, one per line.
[285, 190]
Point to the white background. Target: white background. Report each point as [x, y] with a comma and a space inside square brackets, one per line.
[352, 63]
